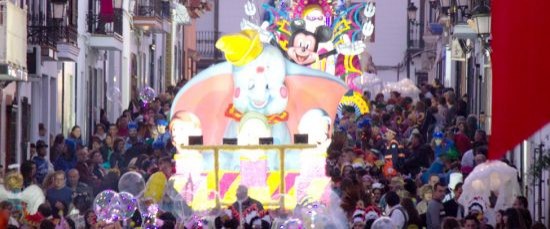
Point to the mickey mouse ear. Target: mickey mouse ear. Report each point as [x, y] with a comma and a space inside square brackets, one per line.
[323, 34]
[298, 24]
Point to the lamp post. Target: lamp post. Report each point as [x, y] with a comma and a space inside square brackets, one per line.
[411, 20]
[58, 8]
[58, 13]
[481, 16]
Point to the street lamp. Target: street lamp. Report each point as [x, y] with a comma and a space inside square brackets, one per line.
[481, 17]
[58, 8]
[411, 10]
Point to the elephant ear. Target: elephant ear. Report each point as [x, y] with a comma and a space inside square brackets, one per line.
[311, 89]
[208, 95]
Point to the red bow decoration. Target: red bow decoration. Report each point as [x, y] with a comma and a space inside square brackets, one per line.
[236, 115]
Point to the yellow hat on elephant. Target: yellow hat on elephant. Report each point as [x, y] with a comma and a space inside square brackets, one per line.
[241, 48]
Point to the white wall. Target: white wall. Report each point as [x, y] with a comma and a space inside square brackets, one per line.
[390, 42]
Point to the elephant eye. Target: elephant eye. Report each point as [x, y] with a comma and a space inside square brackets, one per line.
[250, 85]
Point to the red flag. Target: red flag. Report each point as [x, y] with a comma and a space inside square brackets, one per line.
[521, 73]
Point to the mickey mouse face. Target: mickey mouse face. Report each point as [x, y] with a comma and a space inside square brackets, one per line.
[302, 50]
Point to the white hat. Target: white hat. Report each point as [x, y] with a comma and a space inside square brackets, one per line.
[14, 167]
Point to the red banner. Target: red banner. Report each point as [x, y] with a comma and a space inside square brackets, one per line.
[106, 12]
[521, 79]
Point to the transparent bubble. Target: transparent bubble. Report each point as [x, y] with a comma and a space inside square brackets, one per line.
[133, 183]
[113, 94]
[147, 206]
[147, 94]
[293, 224]
[127, 204]
[105, 206]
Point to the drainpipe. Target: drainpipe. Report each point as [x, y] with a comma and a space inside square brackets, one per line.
[19, 128]
[216, 25]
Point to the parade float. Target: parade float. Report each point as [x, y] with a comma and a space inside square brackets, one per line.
[264, 118]
[243, 122]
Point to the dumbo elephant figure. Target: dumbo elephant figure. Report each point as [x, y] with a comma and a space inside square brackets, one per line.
[257, 84]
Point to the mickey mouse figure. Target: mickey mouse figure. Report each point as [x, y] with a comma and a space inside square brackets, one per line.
[303, 44]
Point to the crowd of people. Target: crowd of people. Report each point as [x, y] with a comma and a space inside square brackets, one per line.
[401, 165]
[407, 159]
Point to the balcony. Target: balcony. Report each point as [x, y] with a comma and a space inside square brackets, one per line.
[105, 30]
[13, 42]
[152, 16]
[206, 48]
[67, 44]
[44, 36]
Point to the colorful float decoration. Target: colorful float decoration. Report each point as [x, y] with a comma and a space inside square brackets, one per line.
[321, 34]
[353, 99]
[257, 93]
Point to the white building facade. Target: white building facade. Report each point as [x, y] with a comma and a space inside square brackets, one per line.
[90, 57]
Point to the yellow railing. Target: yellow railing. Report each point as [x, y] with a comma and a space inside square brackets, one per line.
[280, 148]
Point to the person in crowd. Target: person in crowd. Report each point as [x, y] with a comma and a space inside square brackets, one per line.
[90, 220]
[84, 170]
[426, 192]
[43, 165]
[513, 219]
[107, 150]
[28, 171]
[60, 196]
[395, 211]
[450, 223]
[461, 139]
[100, 132]
[122, 126]
[452, 207]
[480, 159]
[95, 143]
[418, 157]
[113, 131]
[450, 97]
[499, 218]
[244, 201]
[76, 136]
[118, 158]
[76, 185]
[436, 210]
[57, 148]
[67, 160]
[414, 219]
[96, 164]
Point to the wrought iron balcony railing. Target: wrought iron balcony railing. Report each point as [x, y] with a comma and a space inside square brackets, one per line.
[105, 24]
[150, 8]
[68, 34]
[206, 41]
[43, 35]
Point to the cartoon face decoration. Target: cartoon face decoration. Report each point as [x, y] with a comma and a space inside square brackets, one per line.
[183, 125]
[303, 43]
[303, 50]
[314, 17]
[259, 85]
[316, 124]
